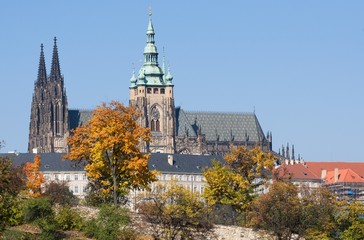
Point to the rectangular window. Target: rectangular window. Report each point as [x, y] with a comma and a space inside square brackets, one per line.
[162, 90]
[149, 90]
[76, 189]
[84, 189]
[56, 177]
[76, 177]
[46, 177]
[155, 90]
[68, 177]
[84, 177]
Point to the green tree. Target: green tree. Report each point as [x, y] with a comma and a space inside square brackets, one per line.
[235, 182]
[318, 211]
[12, 181]
[286, 210]
[109, 143]
[176, 212]
[277, 211]
[350, 220]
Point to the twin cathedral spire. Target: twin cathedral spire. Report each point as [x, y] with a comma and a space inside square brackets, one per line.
[49, 123]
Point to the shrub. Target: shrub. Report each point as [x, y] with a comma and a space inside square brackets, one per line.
[110, 223]
[37, 208]
[68, 219]
[11, 211]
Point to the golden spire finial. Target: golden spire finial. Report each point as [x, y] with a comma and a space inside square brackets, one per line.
[150, 11]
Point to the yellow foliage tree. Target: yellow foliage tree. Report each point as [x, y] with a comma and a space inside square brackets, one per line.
[175, 212]
[34, 177]
[234, 183]
[109, 144]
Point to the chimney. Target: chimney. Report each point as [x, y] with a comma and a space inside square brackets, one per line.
[170, 159]
[323, 174]
[336, 174]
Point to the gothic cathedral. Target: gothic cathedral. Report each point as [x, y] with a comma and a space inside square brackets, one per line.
[49, 122]
[174, 130]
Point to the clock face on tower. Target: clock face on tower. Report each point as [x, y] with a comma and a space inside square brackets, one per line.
[155, 113]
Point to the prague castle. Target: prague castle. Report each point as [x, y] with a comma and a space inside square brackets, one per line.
[174, 130]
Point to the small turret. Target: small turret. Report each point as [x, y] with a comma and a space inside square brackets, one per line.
[133, 80]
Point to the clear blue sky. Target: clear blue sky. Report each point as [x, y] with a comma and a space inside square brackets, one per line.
[300, 64]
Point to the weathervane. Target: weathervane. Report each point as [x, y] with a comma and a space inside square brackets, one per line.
[150, 11]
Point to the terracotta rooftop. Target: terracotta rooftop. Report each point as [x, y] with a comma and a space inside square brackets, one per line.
[317, 167]
[298, 171]
[344, 175]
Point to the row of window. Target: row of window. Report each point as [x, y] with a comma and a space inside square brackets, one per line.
[78, 190]
[65, 177]
[154, 91]
[192, 178]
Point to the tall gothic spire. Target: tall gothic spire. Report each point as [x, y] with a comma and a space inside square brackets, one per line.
[55, 70]
[42, 73]
[150, 50]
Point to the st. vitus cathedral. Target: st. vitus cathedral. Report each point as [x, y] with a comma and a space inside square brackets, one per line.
[174, 129]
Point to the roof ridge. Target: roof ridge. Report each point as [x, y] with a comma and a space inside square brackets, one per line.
[81, 109]
[212, 112]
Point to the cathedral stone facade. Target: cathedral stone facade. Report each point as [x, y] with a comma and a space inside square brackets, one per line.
[174, 130]
[49, 122]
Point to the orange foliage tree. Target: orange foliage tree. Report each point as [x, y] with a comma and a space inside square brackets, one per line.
[109, 144]
[34, 177]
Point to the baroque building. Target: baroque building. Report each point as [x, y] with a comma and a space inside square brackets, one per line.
[174, 130]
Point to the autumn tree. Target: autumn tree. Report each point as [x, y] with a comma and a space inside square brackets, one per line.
[12, 181]
[34, 177]
[58, 192]
[287, 209]
[175, 212]
[277, 211]
[109, 143]
[234, 182]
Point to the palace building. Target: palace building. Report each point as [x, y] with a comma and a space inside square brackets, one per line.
[174, 130]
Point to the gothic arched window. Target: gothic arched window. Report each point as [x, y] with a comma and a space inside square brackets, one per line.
[152, 126]
[155, 124]
[157, 128]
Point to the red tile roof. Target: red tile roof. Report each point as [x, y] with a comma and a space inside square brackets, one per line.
[317, 167]
[344, 175]
[298, 171]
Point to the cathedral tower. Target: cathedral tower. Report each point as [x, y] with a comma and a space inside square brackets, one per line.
[152, 93]
[49, 123]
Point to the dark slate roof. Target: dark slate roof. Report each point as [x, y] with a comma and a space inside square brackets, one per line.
[78, 117]
[49, 161]
[182, 164]
[227, 126]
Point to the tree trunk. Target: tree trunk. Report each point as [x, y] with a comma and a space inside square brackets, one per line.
[114, 184]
